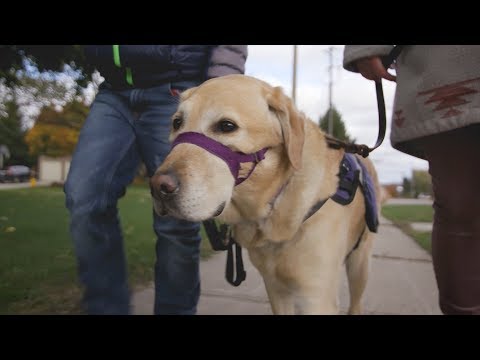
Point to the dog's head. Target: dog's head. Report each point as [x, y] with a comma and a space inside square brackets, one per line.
[241, 113]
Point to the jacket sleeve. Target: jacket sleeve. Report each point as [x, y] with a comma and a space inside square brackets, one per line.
[227, 59]
[352, 53]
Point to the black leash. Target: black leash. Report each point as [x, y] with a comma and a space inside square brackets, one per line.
[364, 150]
[217, 237]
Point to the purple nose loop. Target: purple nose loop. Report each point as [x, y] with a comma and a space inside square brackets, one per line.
[232, 158]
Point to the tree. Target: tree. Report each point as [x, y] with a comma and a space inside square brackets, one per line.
[51, 140]
[48, 77]
[16, 60]
[12, 136]
[339, 130]
[407, 187]
[42, 75]
[422, 183]
[32, 94]
[72, 115]
[4, 154]
[56, 133]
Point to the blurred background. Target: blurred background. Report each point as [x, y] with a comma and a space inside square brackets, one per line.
[45, 94]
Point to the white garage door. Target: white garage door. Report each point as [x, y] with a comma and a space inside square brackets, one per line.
[51, 170]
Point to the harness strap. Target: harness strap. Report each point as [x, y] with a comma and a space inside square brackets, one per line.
[232, 158]
[357, 244]
[348, 185]
[216, 236]
[315, 208]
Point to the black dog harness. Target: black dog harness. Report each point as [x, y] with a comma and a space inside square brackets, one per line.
[353, 173]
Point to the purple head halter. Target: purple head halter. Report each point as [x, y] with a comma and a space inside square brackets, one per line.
[232, 158]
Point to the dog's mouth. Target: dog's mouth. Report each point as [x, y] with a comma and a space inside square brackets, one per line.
[186, 194]
[220, 209]
[167, 208]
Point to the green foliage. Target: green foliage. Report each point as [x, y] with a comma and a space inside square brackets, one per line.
[73, 115]
[33, 77]
[339, 130]
[422, 182]
[12, 135]
[407, 187]
[56, 133]
[419, 183]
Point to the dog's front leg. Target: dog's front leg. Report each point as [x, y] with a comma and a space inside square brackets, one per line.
[284, 302]
[281, 301]
[319, 297]
[312, 304]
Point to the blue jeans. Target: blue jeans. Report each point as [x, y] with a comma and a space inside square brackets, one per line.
[122, 128]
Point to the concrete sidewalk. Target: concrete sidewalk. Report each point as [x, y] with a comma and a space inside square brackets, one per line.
[401, 282]
[24, 185]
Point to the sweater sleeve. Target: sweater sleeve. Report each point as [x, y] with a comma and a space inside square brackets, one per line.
[227, 59]
[352, 53]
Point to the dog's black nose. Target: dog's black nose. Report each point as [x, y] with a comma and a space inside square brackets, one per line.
[164, 184]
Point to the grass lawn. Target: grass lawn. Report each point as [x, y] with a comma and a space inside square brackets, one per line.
[37, 265]
[403, 215]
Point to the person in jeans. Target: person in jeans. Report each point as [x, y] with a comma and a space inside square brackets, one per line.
[436, 117]
[129, 122]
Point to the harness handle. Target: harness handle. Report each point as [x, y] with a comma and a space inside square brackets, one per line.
[221, 239]
[364, 150]
[238, 266]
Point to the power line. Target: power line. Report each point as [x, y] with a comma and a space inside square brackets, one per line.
[294, 80]
[331, 67]
[330, 86]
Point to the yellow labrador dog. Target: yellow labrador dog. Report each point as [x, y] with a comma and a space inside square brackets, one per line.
[243, 152]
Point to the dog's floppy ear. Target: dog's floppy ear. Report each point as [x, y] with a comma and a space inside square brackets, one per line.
[292, 123]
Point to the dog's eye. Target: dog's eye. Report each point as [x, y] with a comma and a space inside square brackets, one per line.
[177, 122]
[226, 126]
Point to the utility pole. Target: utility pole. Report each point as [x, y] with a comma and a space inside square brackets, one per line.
[294, 80]
[330, 85]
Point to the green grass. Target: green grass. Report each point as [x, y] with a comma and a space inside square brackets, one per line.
[424, 239]
[403, 215]
[37, 264]
[408, 213]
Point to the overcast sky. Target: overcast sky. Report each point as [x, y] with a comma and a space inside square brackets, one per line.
[353, 96]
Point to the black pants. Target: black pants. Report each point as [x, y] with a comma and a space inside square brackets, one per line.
[454, 164]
